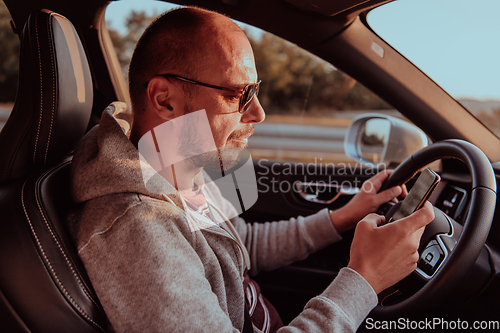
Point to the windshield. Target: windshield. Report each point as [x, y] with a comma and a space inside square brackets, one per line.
[455, 42]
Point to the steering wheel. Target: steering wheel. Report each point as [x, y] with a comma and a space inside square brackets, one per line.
[460, 252]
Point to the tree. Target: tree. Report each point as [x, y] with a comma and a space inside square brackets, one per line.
[9, 57]
[491, 120]
[295, 81]
[124, 45]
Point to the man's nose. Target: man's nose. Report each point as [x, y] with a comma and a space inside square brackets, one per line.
[255, 112]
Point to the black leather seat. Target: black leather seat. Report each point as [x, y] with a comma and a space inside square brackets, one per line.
[43, 285]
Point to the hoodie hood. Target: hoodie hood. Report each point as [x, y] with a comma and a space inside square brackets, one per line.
[106, 162]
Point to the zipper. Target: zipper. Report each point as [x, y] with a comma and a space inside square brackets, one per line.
[232, 233]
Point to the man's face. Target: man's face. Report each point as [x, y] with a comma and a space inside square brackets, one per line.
[230, 129]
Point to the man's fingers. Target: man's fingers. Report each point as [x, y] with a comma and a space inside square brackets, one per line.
[405, 191]
[420, 218]
[379, 179]
[390, 194]
[374, 219]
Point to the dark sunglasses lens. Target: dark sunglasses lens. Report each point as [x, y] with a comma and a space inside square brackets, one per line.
[248, 95]
[244, 97]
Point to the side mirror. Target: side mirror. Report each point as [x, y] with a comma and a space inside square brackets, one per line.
[374, 139]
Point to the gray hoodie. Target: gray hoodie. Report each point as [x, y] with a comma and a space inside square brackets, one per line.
[152, 273]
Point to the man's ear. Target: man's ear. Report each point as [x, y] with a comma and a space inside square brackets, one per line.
[165, 98]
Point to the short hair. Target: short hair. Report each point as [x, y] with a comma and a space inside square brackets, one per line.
[172, 43]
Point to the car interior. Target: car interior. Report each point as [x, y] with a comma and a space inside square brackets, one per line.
[68, 74]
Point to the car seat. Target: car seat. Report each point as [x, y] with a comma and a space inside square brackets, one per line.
[43, 284]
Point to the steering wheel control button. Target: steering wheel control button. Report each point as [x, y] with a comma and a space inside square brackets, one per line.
[452, 201]
[431, 258]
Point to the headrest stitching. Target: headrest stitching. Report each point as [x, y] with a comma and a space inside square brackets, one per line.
[40, 247]
[53, 92]
[43, 215]
[41, 87]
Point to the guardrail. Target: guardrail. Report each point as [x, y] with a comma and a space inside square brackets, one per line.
[298, 137]
[298, 142]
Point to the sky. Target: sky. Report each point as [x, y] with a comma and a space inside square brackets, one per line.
[454, 41]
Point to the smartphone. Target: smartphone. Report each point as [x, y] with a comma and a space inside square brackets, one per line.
[419, 193]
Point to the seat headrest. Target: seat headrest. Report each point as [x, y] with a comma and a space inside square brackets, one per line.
[54, 97]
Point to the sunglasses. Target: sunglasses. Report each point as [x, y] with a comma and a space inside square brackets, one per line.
[247, 93]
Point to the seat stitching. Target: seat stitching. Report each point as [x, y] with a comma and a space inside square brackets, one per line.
[389, 295]
[41, 87]
[53, 93]
[50, 266]
[62, 252]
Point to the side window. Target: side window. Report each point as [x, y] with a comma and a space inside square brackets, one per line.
[309, 104]
[9, 64]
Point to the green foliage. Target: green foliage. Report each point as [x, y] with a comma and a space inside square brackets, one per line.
[372, 140]
[491, 120]
[124, 45]
[295, 81]
[9, 57]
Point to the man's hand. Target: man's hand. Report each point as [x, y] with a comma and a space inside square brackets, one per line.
[383, 255]
[365, 202]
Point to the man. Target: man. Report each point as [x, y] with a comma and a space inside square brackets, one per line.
[169, 254]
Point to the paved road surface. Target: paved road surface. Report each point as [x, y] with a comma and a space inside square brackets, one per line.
[298, 137]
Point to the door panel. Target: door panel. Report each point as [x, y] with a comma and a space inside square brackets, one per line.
[279, 196]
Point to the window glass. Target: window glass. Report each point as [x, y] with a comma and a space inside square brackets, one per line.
[455, 42]
[9, 64]
[309, 104]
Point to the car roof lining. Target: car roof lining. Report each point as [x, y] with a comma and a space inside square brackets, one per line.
[295, 21]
